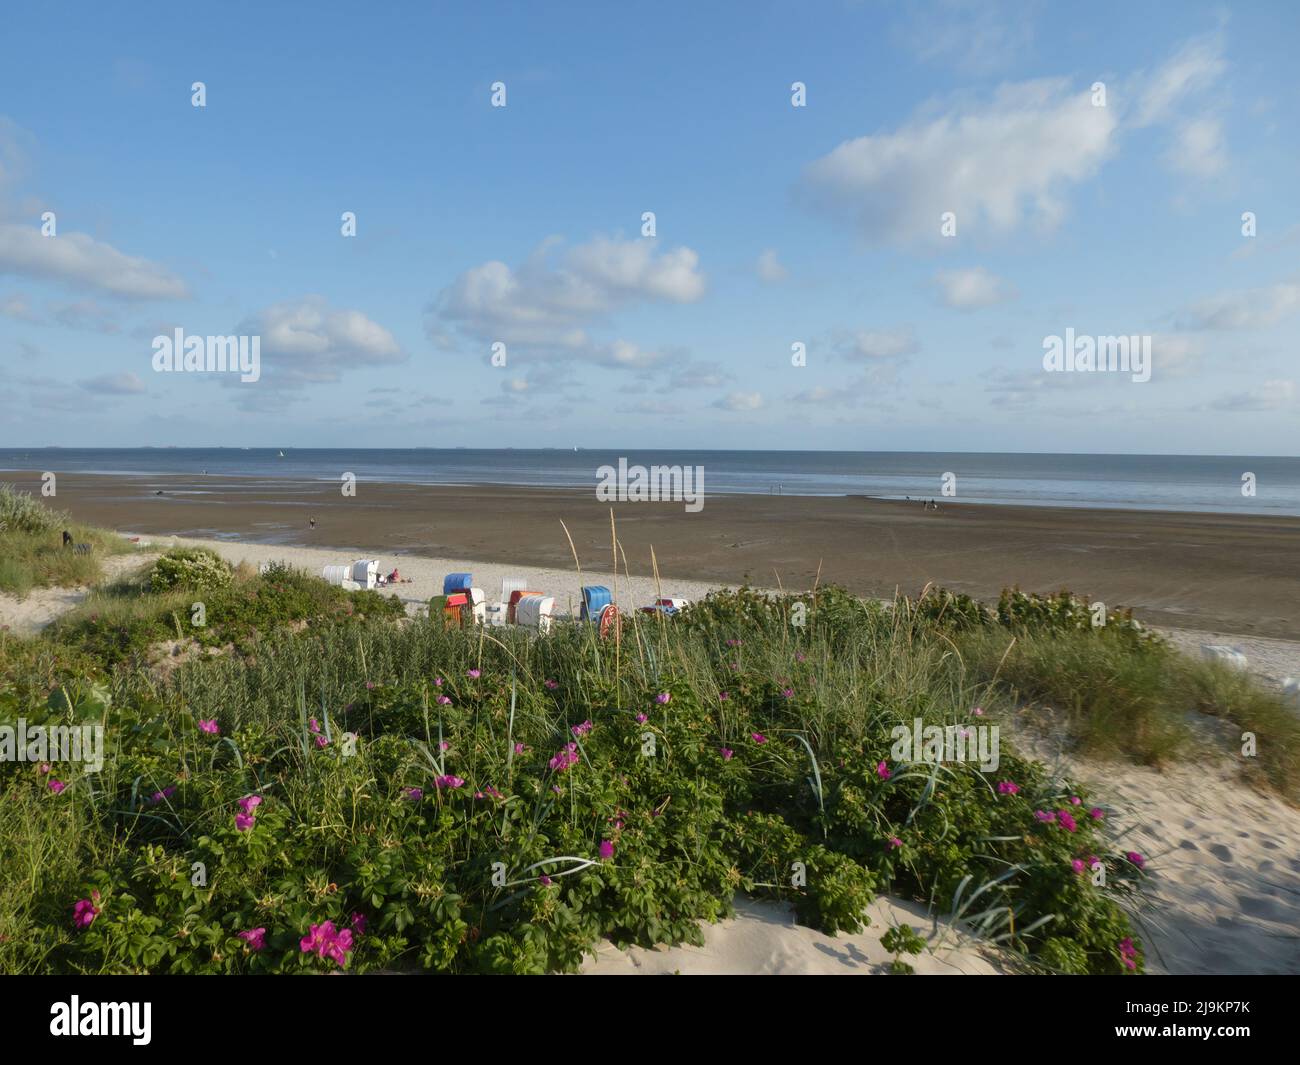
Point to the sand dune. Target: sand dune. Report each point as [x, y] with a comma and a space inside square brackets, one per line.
[1224, 890]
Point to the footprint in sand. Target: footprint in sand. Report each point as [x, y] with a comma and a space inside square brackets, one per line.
[1265, 909]
[1189, 845]
[1221, 852]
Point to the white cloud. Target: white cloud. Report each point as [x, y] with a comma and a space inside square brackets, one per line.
[117, 384]
[967, 290]
[306, 341]
[740, 401]
[545, 304]
[1245, 309]
[875, 344]
[17, 307]
[81, 261]
[1199, 148]
[1195, 67]
[998, 167]
[770, 269]
[1272, 395]
[974, 36]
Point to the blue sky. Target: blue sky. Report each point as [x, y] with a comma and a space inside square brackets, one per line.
[775, 224]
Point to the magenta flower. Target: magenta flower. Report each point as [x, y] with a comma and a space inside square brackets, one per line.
[209, 726]
[321, 741]
[448, 781]
[727, 752]
[1136, 859]
[546, 880]
[1045, 817]
[1075, 800]
[56, 786]
[84, 911]
[437, 682]
[519, 748]
[44, 768]
[249, 803]
[551, 684]
[243, 822]
[882, 771]
[1008, 787]
[758, 737]
[442, 700]
[1066, 821]
[1128, 953]
[255, 938]
[443, 745]
[724, 696]
[327, 942]
[313, 724]
[415, 794]
[1077, 865]
[978, 711]
[473, 674]
[788, 693]
[359, 922]
[1096, 813]
[800, 658]
[641, 719]
[895, 842]
[583, 729]
[662, 698]
[606, 850]
[565, 758]
[733, 643]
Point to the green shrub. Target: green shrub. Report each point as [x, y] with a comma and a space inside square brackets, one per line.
[194, 568]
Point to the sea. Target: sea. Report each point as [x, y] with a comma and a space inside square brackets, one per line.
[1207, 483]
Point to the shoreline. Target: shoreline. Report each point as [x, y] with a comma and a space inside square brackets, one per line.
[1210, 572]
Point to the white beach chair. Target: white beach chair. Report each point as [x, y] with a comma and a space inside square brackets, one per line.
[512, 584]
[336, 575]
[535, 612]
[365, 571]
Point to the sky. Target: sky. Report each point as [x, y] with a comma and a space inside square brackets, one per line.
[918, 196]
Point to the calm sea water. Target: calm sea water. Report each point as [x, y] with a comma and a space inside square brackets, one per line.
[1153, 482]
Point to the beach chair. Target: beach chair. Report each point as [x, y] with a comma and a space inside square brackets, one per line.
[509, 585]
[336, 575]
[595, 597]
[515, 596]
[457, 582]
[82, 549]
[535, 612]
[365, 571]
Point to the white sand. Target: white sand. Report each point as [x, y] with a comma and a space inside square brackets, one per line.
[1224, 894]
[763, 940]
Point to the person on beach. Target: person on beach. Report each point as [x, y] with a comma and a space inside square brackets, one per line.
[67, 538]
[312, 522]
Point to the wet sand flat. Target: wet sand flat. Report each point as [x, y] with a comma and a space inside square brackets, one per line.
[1217, 572]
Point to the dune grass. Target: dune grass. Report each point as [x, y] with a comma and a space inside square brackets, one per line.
[32, 553]
[486, 800]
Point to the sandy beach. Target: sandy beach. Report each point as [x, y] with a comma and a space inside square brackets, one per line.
[1230, 574]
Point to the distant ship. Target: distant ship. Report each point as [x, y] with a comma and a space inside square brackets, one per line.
[281, 454]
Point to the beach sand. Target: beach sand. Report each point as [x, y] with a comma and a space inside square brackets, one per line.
[1233, 574]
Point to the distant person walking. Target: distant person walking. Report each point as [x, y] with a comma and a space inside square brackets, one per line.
[312, 521]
